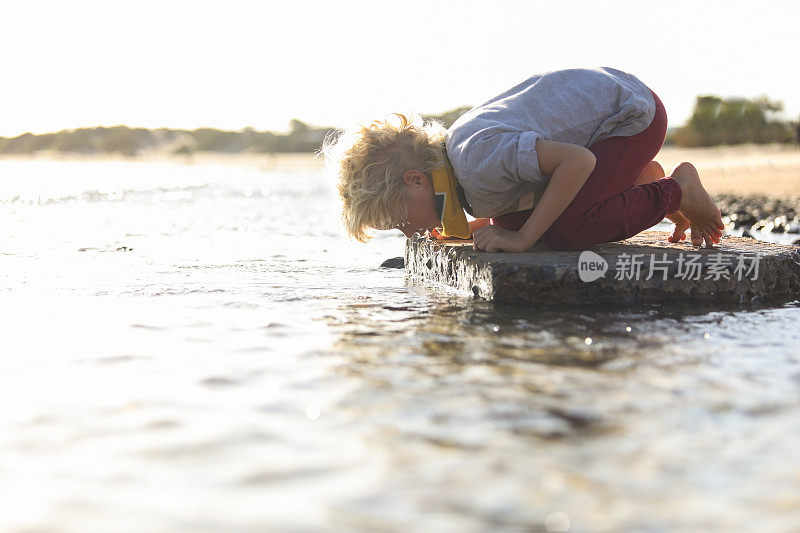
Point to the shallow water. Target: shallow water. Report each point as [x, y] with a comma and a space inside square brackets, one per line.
[183, 351]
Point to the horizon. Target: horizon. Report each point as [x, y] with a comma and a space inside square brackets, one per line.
[240, 130]
[183, 66]
[154, 128]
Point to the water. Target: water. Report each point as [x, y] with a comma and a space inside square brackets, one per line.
[197, 348]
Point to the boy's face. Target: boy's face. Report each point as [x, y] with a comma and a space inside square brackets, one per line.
[422, 214]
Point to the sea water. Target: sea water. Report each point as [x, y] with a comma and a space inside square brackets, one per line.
[197, 347]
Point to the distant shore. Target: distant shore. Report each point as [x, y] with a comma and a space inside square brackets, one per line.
[745, 170]
[263, 160]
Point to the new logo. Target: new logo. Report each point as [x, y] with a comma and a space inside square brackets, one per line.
[591, 266]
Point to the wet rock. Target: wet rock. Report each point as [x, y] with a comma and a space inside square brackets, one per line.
[744, 219]
[394, 262]
[644, 268]
[781, 224]
[578, 419]
[760, 213]
[763, 225]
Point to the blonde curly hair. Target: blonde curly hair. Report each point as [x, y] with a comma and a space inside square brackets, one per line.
[370, 162]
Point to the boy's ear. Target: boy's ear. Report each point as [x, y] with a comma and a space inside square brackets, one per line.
[415, 177]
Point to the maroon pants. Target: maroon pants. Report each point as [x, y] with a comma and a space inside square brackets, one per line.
[608, 207]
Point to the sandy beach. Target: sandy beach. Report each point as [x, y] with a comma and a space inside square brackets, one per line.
[771, 170]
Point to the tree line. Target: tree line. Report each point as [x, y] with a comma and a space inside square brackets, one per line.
[717, 121]
[714, 121]
[130, 141]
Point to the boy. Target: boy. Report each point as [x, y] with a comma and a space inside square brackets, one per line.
[565, 157]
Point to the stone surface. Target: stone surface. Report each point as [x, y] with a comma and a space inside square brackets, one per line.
[394, 262]
[737, 269]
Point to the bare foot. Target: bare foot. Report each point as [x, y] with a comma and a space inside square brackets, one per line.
[697, 206]
[681, 225]
[652, 172]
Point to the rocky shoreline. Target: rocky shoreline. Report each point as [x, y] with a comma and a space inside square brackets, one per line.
[760, 213]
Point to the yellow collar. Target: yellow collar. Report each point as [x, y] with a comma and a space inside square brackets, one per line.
[448, 206]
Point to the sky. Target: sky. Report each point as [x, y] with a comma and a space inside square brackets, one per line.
[237, 64]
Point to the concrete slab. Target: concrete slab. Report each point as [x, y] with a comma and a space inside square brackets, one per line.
[644, 268]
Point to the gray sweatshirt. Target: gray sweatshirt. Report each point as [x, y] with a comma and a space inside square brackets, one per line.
[493, 146]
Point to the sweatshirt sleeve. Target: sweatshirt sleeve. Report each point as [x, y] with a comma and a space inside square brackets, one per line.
[503, 157]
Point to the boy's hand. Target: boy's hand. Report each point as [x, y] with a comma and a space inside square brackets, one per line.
[495, 239]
